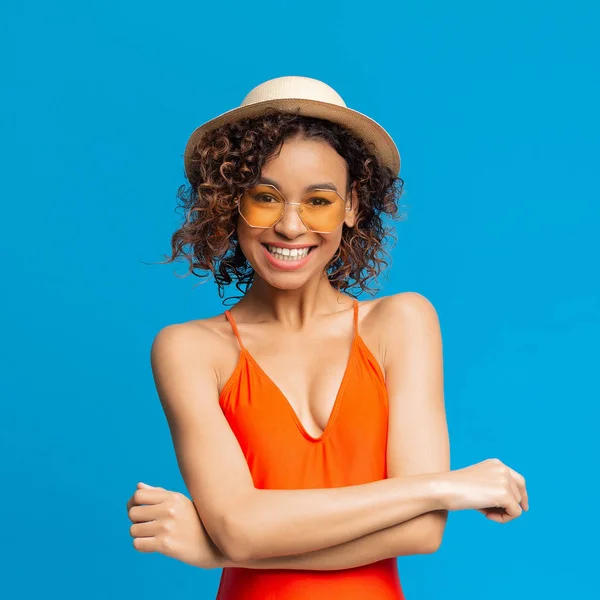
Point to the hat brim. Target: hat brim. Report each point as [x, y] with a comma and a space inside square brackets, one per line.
[364, 127]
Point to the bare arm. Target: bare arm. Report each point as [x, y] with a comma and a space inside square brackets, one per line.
[247, 523]
[418, 439]
[408, 538]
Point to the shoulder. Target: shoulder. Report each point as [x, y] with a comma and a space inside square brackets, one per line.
[406, 305]
[200, 343]
[406, 320]
[182, 337]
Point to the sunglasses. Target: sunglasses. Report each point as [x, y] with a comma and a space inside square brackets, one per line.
[321, 211]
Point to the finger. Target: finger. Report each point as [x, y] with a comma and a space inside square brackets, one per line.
[515, 491]
[513, 510]
[145, 544]
[142, 514]
[492, 514]
[497, 514]
[520, 481]
[131, 502]
[149, 496]
[134, 501]
[145, 529]
[504, 517]
[141, 484]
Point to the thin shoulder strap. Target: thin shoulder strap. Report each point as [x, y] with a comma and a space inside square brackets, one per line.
[231, 320]
[355, 317]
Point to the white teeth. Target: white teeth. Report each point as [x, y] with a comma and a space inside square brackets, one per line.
[287, 253]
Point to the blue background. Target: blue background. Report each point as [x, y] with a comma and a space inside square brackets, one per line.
[494, 107]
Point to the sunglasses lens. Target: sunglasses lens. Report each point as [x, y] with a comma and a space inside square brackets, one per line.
[321, 210]
[262, 206]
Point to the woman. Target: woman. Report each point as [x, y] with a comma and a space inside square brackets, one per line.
[309, 428]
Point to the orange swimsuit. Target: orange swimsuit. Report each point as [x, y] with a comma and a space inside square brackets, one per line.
[281, 454]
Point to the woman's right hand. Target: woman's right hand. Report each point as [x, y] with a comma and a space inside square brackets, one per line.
[490, 487]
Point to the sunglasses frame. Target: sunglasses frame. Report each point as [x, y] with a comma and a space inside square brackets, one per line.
[285, 205]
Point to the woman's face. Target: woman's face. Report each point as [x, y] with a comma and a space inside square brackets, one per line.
[300, 164]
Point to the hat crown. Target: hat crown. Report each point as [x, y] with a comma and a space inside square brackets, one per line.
[293, 86]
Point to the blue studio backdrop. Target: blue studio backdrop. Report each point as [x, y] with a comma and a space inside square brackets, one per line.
[494, 107]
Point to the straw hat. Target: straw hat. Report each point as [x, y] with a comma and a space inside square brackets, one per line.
[309, 97]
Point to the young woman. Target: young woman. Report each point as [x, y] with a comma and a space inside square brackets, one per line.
[309, 428]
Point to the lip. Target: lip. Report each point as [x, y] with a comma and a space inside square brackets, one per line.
[287, 265]
[290, 246]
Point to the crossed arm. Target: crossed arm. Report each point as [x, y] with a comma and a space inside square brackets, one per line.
[321, 528]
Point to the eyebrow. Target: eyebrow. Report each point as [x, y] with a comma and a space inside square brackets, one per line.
[324, 185]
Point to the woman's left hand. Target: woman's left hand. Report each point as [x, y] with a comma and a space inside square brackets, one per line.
[167, 522]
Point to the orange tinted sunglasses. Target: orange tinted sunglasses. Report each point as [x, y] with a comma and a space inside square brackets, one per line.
[321, 211]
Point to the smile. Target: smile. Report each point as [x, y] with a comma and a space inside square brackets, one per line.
[287, 253]
[288, 259]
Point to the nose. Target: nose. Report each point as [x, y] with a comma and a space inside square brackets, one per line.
[291, 225]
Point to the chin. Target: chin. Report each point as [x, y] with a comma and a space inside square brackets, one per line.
[284, 281]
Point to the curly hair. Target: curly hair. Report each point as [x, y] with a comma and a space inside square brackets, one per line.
[228, 160]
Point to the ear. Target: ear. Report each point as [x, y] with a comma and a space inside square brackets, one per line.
[352, 205]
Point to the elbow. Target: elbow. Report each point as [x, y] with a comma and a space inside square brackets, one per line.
[234, 540]
[432, 544]
[235, 531]
[433, 540]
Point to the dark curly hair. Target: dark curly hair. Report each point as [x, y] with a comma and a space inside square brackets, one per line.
[229, 160]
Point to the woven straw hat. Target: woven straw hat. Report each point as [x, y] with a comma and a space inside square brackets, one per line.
[309, 97]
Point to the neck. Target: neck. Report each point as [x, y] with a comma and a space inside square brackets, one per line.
[292, 308]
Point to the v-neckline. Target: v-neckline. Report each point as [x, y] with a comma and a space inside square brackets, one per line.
[336, 403]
